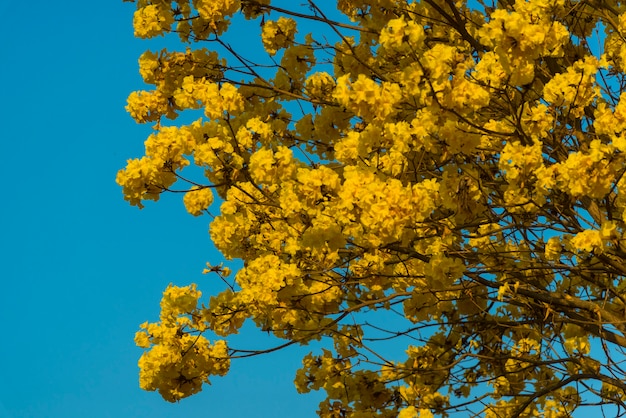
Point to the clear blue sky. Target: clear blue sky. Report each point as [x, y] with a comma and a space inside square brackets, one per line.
[81, 268]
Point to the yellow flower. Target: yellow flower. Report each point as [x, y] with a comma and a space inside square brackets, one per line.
[401, 36]
[197, 200]
[588, 241]
[152, 20]
[278, 34]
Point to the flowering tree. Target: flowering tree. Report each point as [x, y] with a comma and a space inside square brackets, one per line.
[455, 168]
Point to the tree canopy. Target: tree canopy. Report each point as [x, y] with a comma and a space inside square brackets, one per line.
[447, 176]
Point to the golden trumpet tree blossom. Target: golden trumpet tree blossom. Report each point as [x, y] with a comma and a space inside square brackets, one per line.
[445, 175]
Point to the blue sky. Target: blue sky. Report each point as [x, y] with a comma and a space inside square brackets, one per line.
[81, 268]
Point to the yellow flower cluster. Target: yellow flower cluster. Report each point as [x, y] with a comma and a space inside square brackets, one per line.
[197, 200]
[267, 166]
[614, 45]
[591, 240]
[520, 36]
[145, 106]
[145, 178]
[214, 10]
[178, 359]
[366, 98]
[201, 18]
[574, 89]
[216, 100]
[152, 20]
[589, 173]
[411, 412]
[278, 34]
[320, 85]
[400, 35]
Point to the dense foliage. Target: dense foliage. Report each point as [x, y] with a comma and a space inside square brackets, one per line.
[447, 175]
